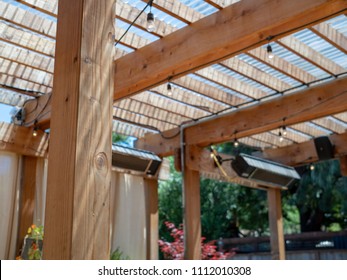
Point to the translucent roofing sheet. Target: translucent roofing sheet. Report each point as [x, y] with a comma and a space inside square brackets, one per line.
[337, 121]
[124, 48]
[242, 78]
[326, 131]
[267, 69]
[147, 35]
[200, 6]
[323, 47]
[339, 23]
[34, 11]
[208, 82]
[194, 93]
[298, 61]
[157, 13]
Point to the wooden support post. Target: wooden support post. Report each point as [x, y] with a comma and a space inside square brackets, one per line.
[77, 219]
[27, 199]
[192, 215]
[343, 165]
[276, 224]
[152, 219]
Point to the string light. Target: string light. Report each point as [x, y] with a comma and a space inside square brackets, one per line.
[280, 136]
[35, 129]
[169, 89]
[149, 3]
[150, 18]
[269, 51]
[236, 142]
[284, 130]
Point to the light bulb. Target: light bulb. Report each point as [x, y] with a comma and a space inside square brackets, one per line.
[284, 131]
[281, 137]
[150, 22]
[35, 132]
[169, 89]
[269, 52]
[311, 167]
[236, 143]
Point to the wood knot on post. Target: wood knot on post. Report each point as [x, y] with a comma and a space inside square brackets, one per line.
[101, 162]
[88, 60]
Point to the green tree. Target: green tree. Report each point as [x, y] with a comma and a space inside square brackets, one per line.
[317, 202]
[226, 209]
[120, 139]
[321, 198]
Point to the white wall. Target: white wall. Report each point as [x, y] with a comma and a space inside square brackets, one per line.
[128, 215]
[9, 198]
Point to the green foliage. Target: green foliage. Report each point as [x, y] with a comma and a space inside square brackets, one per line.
[120, 139]
[118, 255]
[317, 202]
[226, 208]
[321, 197]
[170, 201]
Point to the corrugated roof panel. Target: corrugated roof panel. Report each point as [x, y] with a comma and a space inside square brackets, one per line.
[200, 6]
[323, 47]
[246, 98]
[267, 69]
[144, 34]
[298, 61]
[157, 13]
[339, 23]
[242, 78]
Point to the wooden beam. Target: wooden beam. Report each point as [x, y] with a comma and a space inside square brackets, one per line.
[27, 199]
[20, 140]
[192, 221]
[38, 110]
[152, 219]
[77, 218]
[276, 224]
[186, 50]
[304, 153]
[312, 103]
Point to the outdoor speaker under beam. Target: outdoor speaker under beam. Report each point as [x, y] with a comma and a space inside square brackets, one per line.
[134, 160]
[264, 171]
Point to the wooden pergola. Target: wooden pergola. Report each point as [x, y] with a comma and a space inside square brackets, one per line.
[70, 73]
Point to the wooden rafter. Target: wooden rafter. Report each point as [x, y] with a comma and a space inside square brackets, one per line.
[313, 103]
[185, 51]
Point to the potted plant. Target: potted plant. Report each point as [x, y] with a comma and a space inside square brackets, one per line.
[33, 243]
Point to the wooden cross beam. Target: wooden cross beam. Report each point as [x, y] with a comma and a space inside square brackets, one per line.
[315, 102]
[235, 29]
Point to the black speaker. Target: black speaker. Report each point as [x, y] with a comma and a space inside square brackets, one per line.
[324, 148]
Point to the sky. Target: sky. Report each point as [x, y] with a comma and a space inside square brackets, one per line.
[5, 113]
